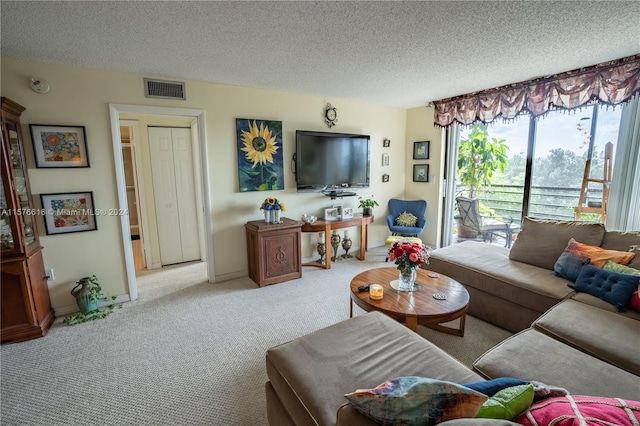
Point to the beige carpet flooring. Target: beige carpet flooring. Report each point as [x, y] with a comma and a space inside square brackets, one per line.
[186, 352]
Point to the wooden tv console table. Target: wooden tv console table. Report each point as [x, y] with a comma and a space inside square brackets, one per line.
[327, 226]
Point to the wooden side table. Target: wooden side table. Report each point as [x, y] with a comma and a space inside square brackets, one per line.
[274, 251]
[328, 226]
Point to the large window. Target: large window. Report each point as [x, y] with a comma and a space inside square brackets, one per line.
[546, 162]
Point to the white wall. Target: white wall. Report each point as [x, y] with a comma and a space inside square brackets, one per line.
[81, 96]
[420, 128]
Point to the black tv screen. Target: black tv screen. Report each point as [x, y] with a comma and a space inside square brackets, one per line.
[331, 161]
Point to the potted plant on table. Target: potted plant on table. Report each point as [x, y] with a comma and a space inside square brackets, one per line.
[367, 205]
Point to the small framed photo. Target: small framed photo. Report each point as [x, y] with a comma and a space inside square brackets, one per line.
[59, 146]
[421, 150]
[385, 177]
[347, 213]
[386, 143]
[68, 212]
[331, 214]
[421, 173]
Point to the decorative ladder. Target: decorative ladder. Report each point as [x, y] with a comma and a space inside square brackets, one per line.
[599, 208]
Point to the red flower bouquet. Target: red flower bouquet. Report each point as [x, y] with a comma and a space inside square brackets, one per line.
[408, 255]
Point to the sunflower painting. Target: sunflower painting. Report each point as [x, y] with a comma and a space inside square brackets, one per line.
[260, 163]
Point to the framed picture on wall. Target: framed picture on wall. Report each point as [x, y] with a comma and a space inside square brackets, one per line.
[421, 173]
[69, 212]
[421, 150]
[59, 146]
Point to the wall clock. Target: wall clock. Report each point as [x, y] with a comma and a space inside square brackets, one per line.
[330, 115]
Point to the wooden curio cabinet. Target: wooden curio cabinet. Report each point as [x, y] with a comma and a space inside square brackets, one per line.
[26, 309]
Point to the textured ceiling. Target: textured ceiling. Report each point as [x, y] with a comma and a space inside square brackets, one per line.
[402, 54]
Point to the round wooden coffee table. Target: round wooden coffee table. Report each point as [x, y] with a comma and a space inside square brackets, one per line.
[418, 306]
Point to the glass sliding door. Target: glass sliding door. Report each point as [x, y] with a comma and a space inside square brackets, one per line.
[545, 167]
[563, 144]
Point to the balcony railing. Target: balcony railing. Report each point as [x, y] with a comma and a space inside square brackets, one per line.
[545, 202]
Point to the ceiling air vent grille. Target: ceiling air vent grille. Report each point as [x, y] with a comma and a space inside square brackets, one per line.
[164, 89]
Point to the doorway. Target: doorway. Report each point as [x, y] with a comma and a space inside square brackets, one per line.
[128, 136]
[120, 112]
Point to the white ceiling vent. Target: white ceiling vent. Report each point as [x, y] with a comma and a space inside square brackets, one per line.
[164, 89]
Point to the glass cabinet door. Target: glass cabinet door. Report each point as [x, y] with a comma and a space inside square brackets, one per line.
[6, 235]
[23, 210]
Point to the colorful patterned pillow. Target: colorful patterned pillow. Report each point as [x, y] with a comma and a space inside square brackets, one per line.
[508, 403]
[634, 302]
[609, 286]
[416, 401]
[576, 254]
[582, 410]
[406, 219]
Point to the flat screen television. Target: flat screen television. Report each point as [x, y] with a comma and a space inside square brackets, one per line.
[332, 163]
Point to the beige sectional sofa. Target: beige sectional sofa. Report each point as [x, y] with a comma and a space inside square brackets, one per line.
[309, 376]
[512, 288]
[563, 338]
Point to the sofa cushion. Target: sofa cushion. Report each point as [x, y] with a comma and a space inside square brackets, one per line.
[532, 355]
[541, 241]
[617, 335]
[624, 241]
[590, 300]
[415, 400]
[582, 410]
[488, 268]
[609, 286]
[312, 374]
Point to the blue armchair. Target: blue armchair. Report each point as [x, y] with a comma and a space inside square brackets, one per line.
[416, 208]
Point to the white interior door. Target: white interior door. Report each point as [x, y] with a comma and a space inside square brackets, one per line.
[174, 194]
[186, 194]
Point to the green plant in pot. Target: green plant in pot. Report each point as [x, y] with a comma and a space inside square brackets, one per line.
[88, 293]
[367, 205]
[479, 157]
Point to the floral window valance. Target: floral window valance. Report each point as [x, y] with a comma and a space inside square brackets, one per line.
[611, 83]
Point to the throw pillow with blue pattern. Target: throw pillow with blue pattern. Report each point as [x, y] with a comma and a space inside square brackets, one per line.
[416, 401]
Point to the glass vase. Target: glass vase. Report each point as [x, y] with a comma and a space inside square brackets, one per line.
[407, 280]
[267, 216]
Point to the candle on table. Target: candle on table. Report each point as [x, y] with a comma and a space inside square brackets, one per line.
[346, 234]
[375, 291]
[321, 237]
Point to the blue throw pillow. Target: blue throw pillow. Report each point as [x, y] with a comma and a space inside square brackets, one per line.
[493, 386]
[612, 287]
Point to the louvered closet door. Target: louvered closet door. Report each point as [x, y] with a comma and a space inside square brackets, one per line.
[174, 194]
